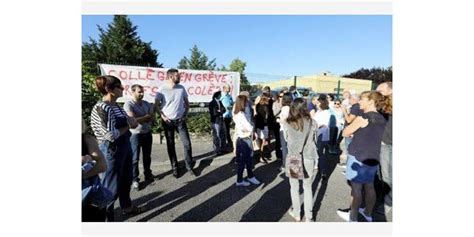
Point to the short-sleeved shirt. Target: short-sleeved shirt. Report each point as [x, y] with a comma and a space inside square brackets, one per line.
[139, 109]
[172, 101]
[367, 141]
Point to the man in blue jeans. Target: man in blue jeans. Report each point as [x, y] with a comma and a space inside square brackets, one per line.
[172, 104]
[141, 137]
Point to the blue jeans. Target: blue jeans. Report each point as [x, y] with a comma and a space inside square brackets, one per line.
[386, 169]
[219, 136]
[141, 141]
[182, 129]
[244, 153]
[359, 172]
[118, 176]
[322, 147]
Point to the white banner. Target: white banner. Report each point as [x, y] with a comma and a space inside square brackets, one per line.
[199, 84]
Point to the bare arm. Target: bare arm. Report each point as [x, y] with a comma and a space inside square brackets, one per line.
[96, 154]
[347, 116]
[158, 109]
[359, 122]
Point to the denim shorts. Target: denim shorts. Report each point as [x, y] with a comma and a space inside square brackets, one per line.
[359, 172]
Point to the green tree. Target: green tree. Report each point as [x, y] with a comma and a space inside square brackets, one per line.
[119, 43]
[197, 61]
[376, 74]
[238, 65]
[222, 68]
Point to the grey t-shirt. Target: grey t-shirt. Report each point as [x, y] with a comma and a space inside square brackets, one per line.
[139, 109]
[172, 100]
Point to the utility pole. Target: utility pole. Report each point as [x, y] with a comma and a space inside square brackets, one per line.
[294, 80]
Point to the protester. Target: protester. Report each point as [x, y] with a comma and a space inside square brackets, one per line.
[217, 110]
[313, 106]
[364, 154]
[273, 126]
[333, 130]
[228, 103]
[331, 100]
[92, 155]
[285, 110]
[346, 99]
[350, 115]
[386, 148]
[299, 125]
[322, 117]
[339, 114]
[261, 123]
[141, 137]
[172, 104]
[244, 150]
[249, 112]
[111, 127]
[294, 92]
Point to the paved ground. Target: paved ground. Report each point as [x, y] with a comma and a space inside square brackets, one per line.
[213, 196]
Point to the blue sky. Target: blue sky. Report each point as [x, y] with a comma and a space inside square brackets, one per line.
[279, 45]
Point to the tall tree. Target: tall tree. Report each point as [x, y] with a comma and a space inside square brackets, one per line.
[376, 74]
[197, 61]
[238, 65]
[119, 43]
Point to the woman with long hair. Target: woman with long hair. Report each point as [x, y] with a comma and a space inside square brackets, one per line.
[244, 149]
[364, 153]
[262, 122]
[339, 114]
[322, 117]
[111, 127]
[298, 126]
[285, 111]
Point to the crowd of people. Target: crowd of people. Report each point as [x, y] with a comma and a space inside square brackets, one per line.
[310, 127]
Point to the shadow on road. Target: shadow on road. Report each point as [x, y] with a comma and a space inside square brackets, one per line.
[188, 191]
[220, 202]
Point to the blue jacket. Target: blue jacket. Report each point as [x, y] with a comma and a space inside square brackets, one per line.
[228, 102]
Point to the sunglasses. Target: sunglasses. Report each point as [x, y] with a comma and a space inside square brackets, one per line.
[337, 104]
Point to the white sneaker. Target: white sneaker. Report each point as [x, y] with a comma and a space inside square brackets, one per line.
[345, 216]
[297, 218]
[253, 180]
[243, 183]
[308, 220]
[135, 185]
[367, 218]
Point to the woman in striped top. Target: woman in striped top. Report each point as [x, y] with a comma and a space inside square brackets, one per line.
[111, 127]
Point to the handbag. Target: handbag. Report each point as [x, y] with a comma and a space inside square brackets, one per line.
[95, 194]
[295, 163]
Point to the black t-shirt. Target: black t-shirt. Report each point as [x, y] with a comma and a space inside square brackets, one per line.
[367, 141]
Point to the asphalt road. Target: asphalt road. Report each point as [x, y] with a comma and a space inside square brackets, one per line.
[213, 196]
